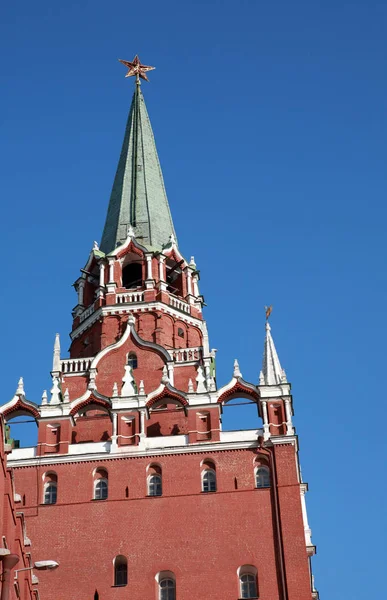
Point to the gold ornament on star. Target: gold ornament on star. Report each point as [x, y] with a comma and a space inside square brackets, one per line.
[136, 69]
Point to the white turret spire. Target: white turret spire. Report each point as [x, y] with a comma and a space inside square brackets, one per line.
[272, 373]
[56, 367]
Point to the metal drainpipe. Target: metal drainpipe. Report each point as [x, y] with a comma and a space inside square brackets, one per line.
[9, 561]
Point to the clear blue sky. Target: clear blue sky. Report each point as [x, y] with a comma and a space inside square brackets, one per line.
[270, 124]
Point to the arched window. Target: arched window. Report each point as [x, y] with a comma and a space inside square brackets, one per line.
[132, 360]
[132, 276]
[248, 587]
[262, 477]
[120, 570]
[167, 589]
[101, 486]
[50, 493]
[209, 481]
[101, 489]
[155, 485]
[180, 332]
[50, 488]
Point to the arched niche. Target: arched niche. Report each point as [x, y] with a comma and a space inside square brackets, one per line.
[93, 421]
[240, 411]
[167, 416]
[20, 425]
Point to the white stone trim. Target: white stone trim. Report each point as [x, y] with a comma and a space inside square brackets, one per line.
[137, 451]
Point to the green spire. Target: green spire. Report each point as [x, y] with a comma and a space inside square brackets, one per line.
[138, 196]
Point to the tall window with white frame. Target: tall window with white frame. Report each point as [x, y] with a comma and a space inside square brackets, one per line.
[262, 477]
[154, 480]
[50, 488]
[101, 485]
[167, 589]
[208, 476]
[248, 587]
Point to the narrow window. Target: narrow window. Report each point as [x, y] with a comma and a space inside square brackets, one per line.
[167, 589]
[248, 585]
[120, 571]
[101, 489]
[209, 481]
[154, 485]
[180, 332]
[132, 360]
[262, 477]
[50, 493]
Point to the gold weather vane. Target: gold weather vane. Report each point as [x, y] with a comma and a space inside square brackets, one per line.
[268, 310]
[136, 69]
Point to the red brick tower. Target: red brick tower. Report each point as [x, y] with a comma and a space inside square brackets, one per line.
[133, 484]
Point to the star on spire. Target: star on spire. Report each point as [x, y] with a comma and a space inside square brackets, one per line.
[136, 69]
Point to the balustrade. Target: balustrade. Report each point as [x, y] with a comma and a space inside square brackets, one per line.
[75, 365]
[179, 304]
[86, 313]
[128, 297]
[183, 355]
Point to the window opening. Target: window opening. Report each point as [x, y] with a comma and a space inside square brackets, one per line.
[154, 485]
[180, 332]
[120, 571]
[132, 360]
[209, 481]
[248, 586]
[167, 589]
[132, 276]
[101, 489]
[262, 477]
[174, 277]
[50, 493]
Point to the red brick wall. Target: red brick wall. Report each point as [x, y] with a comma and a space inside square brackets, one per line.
[185, 530]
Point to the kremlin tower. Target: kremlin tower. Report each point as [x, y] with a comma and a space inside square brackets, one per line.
[133, 486]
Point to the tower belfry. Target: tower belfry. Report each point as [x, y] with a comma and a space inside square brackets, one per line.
[133, 467]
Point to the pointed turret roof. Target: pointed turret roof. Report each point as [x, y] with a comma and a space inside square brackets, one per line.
[272, 373]
[138, 196]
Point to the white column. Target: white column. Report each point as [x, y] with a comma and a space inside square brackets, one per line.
[142, 424]
[162, 284]
[195, 285]
[111, 286]
[149, 266]
[170, 374]
[101, 279]
[101, 274]
[307, 530]
[161, 267]
[149, 282]
[114, 433]
[189, 282]
[266, 429]
[111, 270]
[288, 413]
[81, 287]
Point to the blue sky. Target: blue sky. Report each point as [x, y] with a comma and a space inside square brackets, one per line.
[270, 123]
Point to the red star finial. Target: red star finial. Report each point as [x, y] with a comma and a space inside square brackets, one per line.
[136, 68]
